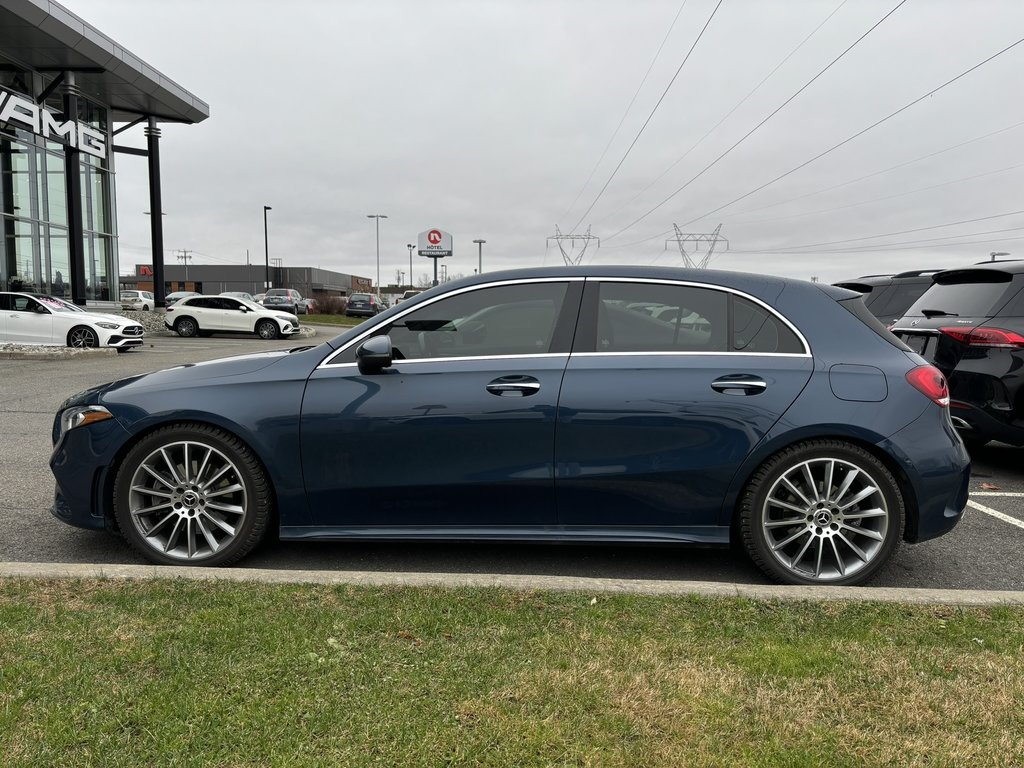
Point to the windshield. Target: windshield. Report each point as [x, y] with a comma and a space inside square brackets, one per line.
[360, 297]
[56, 305]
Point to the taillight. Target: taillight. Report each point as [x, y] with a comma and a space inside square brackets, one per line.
[985, 337]
[929, 381]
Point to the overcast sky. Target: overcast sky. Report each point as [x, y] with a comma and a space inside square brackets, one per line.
[486, 119]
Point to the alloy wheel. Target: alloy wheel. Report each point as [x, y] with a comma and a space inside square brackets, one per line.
[82, 338]
[825, 519]
[187, 500]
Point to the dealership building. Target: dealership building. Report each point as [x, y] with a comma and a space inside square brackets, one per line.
[67, 91]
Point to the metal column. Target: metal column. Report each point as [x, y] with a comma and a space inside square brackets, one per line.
[73, 189]
[156, 209]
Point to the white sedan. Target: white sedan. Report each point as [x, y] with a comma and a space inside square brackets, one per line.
[205, 315]
[38, 319]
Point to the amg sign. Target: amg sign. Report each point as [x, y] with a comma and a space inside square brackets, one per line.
[42, 122]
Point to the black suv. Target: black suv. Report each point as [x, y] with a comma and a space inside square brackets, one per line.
[889, 296]
[970, 324]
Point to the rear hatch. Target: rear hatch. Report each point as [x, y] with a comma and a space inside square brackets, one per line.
[962, 315]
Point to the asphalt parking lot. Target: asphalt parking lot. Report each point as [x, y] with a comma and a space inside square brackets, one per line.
[984, 552]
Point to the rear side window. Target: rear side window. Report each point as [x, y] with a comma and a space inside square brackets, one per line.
[757, 330]
[965, 293]
[857, 308]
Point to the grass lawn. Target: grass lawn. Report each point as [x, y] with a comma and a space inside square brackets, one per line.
[219, 674]
[346, 322]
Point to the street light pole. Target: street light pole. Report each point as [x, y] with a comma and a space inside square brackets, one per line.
[266, 248]
[378, 217]
[410, 246]
[480, 255]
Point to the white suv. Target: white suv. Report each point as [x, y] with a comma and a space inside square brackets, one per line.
[205, 315]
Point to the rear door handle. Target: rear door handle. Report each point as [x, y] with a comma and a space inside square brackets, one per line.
[514, 386]
[739, 384]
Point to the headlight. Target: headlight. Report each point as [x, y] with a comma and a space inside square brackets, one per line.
[109, 326]
[81, 415]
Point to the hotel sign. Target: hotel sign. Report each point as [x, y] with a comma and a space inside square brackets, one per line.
[25, 113]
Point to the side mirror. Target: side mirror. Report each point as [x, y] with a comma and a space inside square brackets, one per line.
[374, 355]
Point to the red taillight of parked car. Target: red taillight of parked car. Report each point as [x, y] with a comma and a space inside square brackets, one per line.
[986, 337]
[929, 381]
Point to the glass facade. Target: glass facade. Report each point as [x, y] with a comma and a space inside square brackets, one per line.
[34, 252]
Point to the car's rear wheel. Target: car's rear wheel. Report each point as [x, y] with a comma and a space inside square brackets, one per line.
[192, 495]
[145, 307]
[186, 327]
[822, 512]
[82, 337]
[267, 329]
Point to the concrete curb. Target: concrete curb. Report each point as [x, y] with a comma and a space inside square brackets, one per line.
[961, 597]
[56, 353]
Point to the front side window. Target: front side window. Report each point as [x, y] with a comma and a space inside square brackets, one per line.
[497, 321]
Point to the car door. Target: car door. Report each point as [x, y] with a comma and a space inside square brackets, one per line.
[29, 322]
[655, 415]
[235, 315]
[460, 430]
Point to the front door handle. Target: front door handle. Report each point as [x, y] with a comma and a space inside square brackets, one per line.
[514, 386]
[739, 384]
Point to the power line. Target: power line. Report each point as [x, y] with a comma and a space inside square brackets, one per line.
[895, 234]
[895, 246]
[881, 199]
[854, 136]
[648, 120]
[730, 113]
[756, 127]
[615, 133]
[879, 173]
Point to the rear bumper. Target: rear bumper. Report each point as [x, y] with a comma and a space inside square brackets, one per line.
[973, 421]
[939, 473]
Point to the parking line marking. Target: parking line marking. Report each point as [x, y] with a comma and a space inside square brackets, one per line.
[998, 493]
[995, 514]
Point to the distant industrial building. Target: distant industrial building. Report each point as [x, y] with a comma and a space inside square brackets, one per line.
[311, 282]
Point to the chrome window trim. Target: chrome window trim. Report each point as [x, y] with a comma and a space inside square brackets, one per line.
[711, 287]
[417, 360]
[497, 284]
[576, 279]
[692, 353]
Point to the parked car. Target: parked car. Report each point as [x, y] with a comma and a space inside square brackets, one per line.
[206, 315]
[407, 295]
[970, 325]
[364, 305]
[286, 299]
[239, 295]
[307, 306]
[39, 319]
[138, 301]
[890, 296]
[172, 298]
[797, 426]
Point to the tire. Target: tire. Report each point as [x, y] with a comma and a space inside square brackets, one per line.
[145, 308]
[267, 329]
[82, 337]
[192, 495]
[837, 528]
[186, 327]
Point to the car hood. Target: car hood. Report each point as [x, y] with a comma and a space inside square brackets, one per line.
[96, 317]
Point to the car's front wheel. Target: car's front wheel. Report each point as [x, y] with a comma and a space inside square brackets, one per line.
[186, 327]
[267, 329]
[83, 337]
[192, 495]
[821, 512]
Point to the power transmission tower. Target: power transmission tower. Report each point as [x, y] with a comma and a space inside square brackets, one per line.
[570, 258]
[683, 239]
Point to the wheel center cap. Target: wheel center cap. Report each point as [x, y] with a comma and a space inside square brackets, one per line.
[190, 499]
[823, 518]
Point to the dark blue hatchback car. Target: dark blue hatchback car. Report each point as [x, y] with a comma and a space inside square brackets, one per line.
[592, 404]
